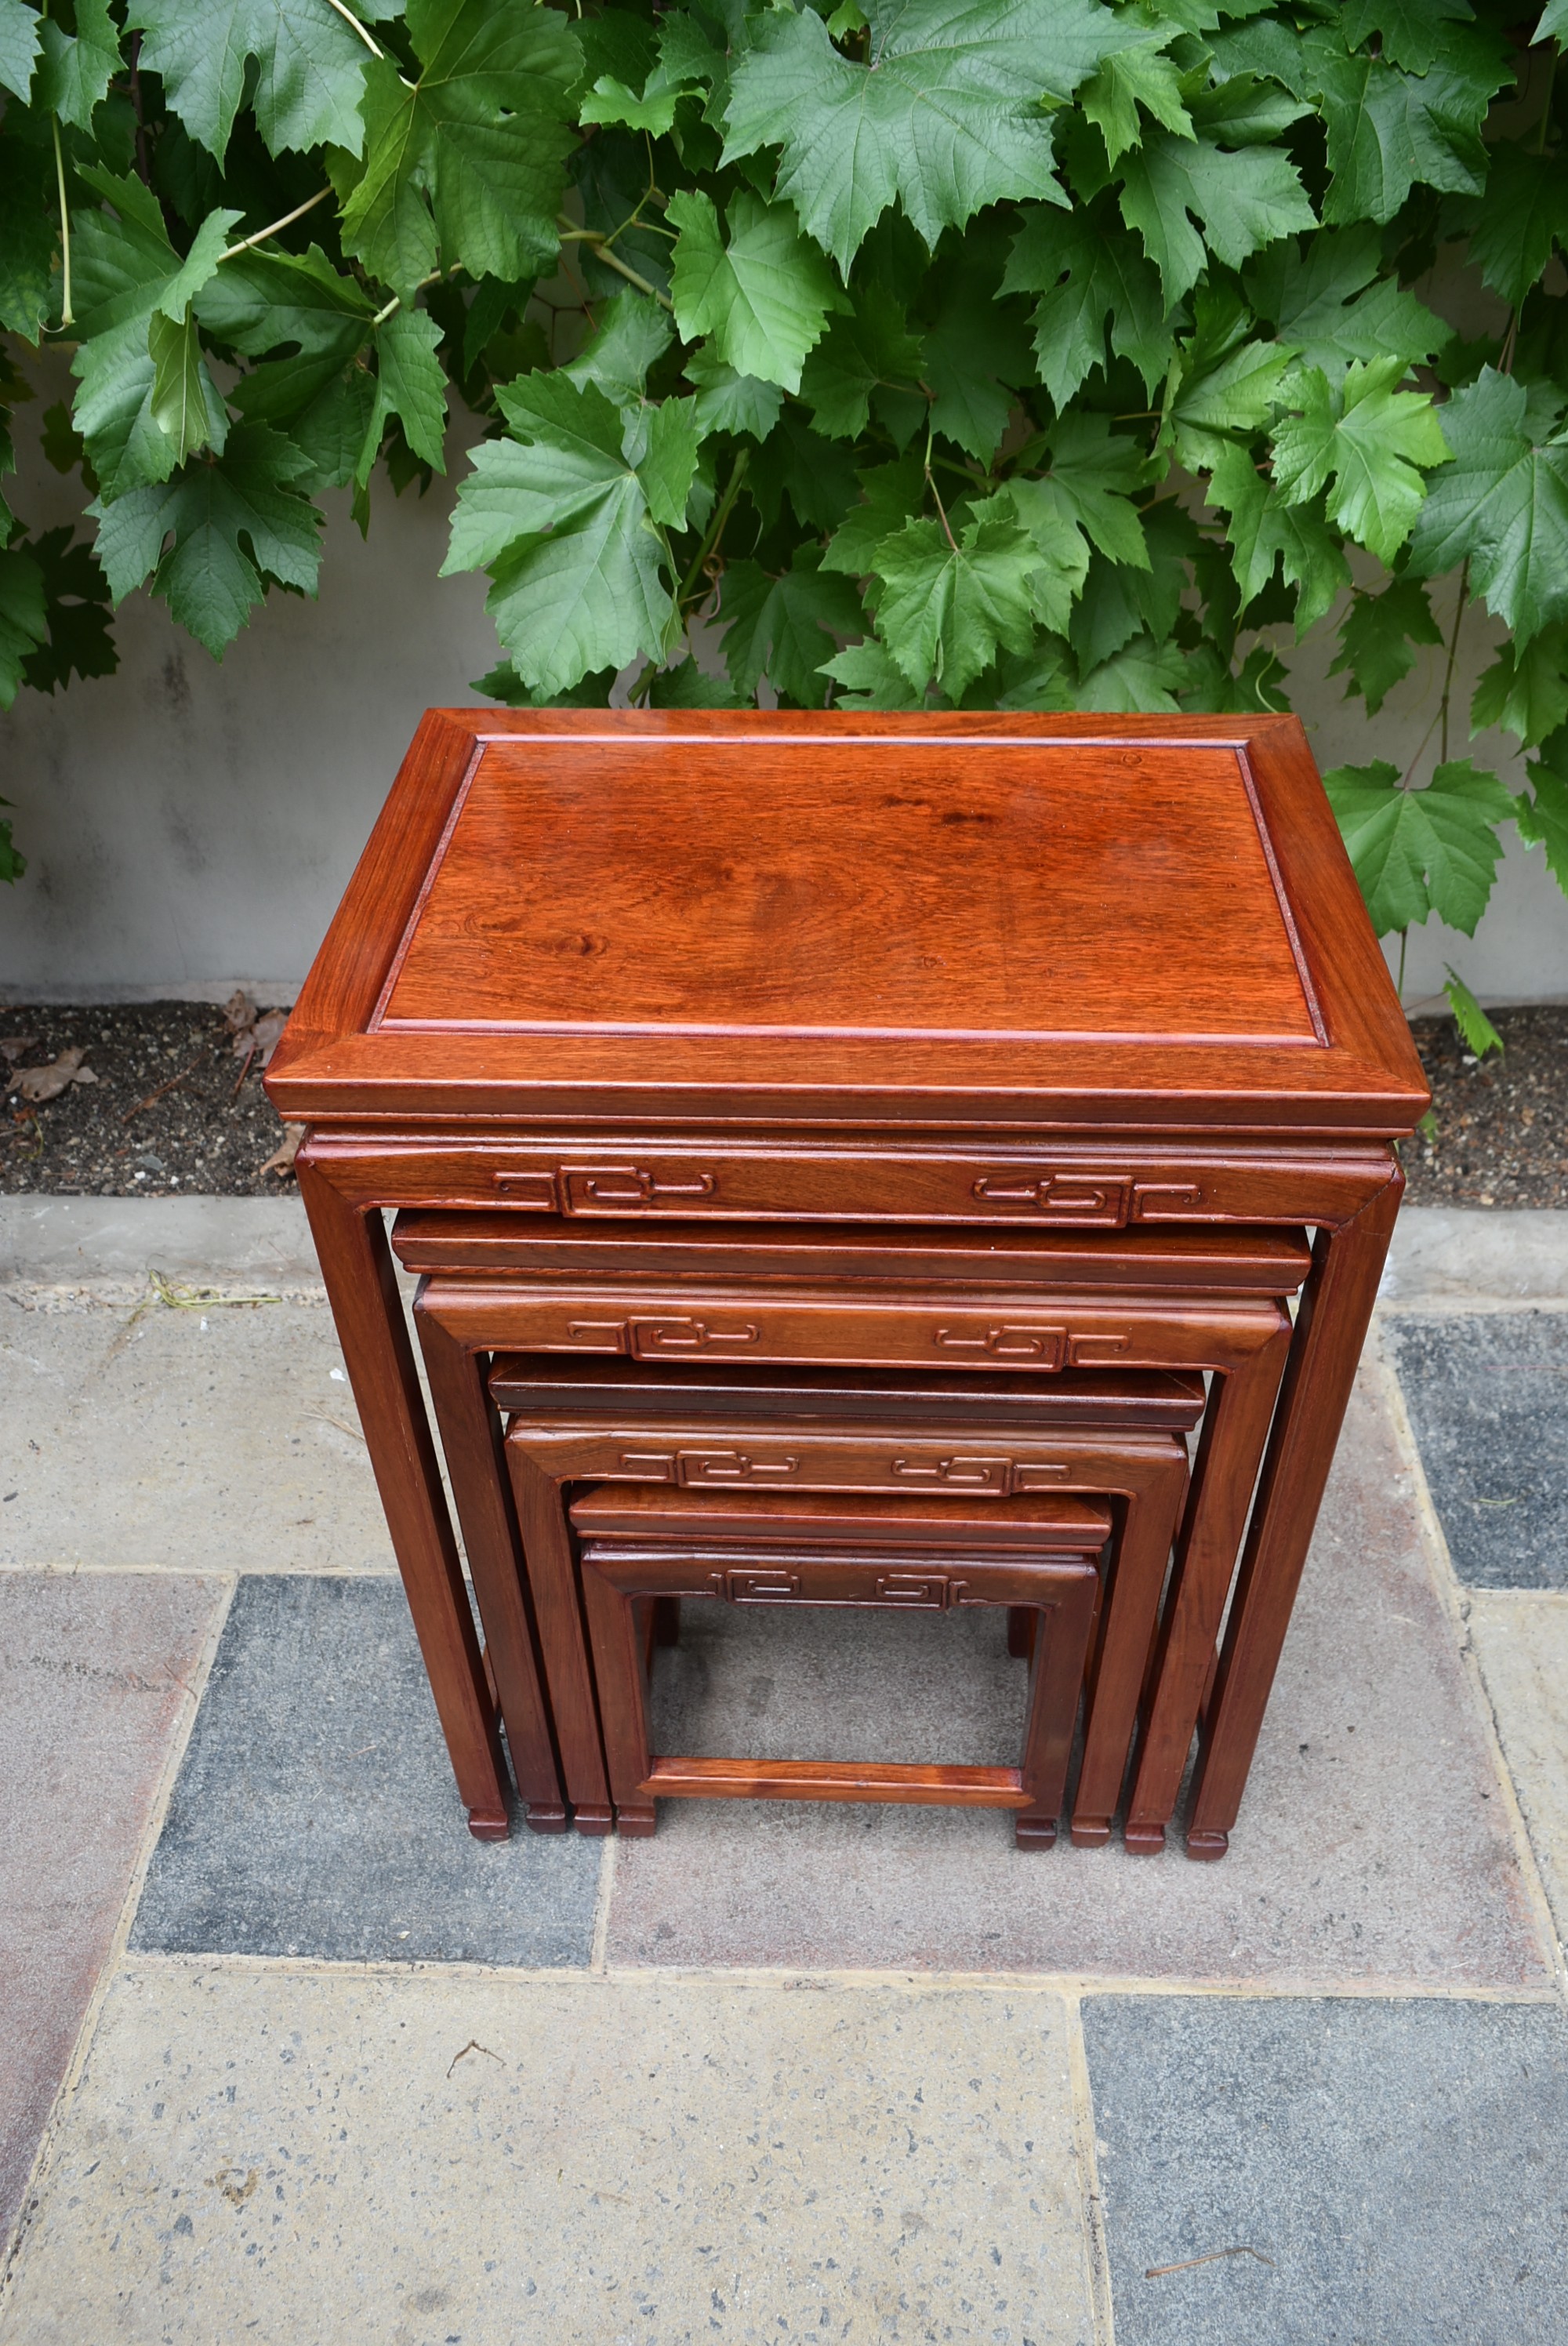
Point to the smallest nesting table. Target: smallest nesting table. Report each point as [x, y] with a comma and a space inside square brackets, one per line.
[1079, 973]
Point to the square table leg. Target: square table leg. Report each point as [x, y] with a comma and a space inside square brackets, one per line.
[362, 1288]
[1331, 1329]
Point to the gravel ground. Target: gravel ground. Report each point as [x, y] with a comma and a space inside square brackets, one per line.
[1501, 1124]
[1501, 1138]
[203, 1134]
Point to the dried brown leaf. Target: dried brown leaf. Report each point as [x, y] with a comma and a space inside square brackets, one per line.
[281, 1160]
[239, 1011]
[47, 1083]
[268, 1030]
[12, 1046]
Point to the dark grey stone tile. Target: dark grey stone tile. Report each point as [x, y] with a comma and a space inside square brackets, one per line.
[1487, 1397]
[1400, 2164]
[316, 1813]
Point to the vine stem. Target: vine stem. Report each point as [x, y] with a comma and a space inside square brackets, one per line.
[571, 234]
[936, 493]
[233, 251]
[716, 526]
[349, 19]
[67, 317]
[1452, 653]
[396, 302]
[1400, 981]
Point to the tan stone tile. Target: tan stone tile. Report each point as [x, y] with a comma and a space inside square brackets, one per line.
[215, 1440]
[93, 1681]
[1521, 1643]
[289, 2158]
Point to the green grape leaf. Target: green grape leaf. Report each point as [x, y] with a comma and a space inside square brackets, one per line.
[27, 206]
[974, 355]
[1142, 675]
[1501, 504]
[1090, 274]
[946, 607]
[561, 520]
[1543, 818]
[764, 297]
[76, 609]
[23, 624]
[1469, 1016]
[686, 685]
[178, 402]
[1241, 201]
[1525, 689]
[889, 495]
[467, 164]
[782, 627]
[1266, 531]
[1062, 554]
[1091, 470]
[309, 67]
[816, 476]
[76, 70]
[1421, 851]
[728, 402]
[204, 540]
[868, 678]
[1387, 130]
[668, 464]
[856, 356]
[1378, 637]
[1129, 78]
[1522, 220]
[1245, 110]
[1332, 304]
[127, 275]
[948, 117]
[262, 301]
[1411, 33]
[632, 334]
[1107, 616]
[19, 29]
[1232, 394]
[1553, 24]
[409, 385]
[1368, 441]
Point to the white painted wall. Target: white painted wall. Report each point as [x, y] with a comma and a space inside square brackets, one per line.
[189, 825]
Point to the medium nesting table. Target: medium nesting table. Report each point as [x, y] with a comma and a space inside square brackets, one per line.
[987, 971]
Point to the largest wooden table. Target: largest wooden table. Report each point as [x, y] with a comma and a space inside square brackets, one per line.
[1086, 972]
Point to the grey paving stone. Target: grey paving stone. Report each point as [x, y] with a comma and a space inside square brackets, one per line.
[332, 2157]
[1487, 1397]
[93, 1675]
[1400, 2165]
[315, 1812]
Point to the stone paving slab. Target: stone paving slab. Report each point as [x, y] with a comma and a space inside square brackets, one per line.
[1374, 1844]
[292, 2159]
[316, 1814]
[1521, 1643]
[1488, 1398]
[94, 1675]
[1399, 2164]
[215, 1440]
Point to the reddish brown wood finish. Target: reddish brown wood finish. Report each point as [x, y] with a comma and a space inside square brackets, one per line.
[1244, 1339]
[943, 1119]
[830, 1549]
[991, 1437]
[361, 1286]
[899, 918]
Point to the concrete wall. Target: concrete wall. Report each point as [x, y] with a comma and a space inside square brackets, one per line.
[191, 825]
